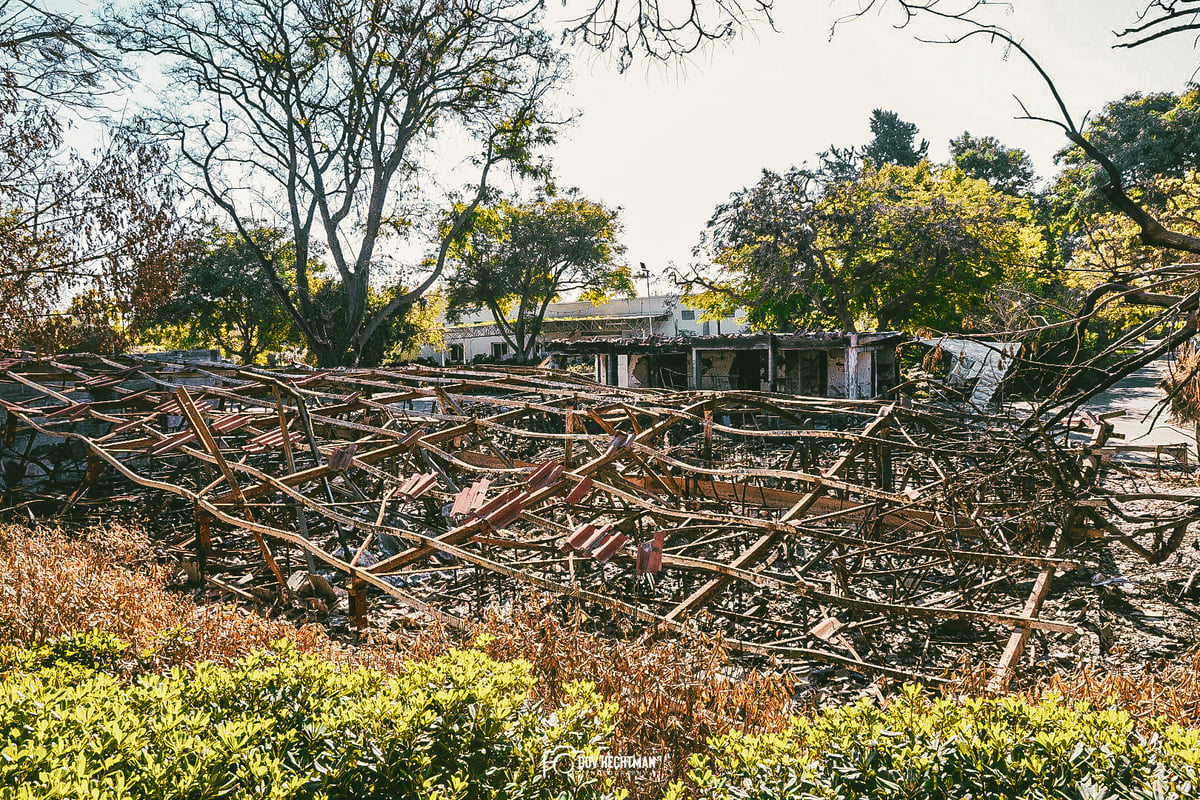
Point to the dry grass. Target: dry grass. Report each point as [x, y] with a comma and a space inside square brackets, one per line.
[673, 694]
[106, 578]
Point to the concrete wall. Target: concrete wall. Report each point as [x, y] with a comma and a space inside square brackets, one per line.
[855, 373]
[638, 370]
[715, 367]
[863, 375]
[37, 462]
[43, 463]
[836, 372]
[623, 375]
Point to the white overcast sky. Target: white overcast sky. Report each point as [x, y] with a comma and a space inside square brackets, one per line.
[668, 145]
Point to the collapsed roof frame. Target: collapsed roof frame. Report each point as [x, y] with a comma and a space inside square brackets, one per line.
[809, 532]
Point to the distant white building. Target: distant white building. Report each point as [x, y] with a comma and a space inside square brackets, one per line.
[478, 335]
[840, 364]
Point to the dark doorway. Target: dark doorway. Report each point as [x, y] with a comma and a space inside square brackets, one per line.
[664, 371]
[748, 370]
[814, 373]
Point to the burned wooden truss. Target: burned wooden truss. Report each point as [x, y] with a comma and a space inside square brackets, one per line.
[874, 536]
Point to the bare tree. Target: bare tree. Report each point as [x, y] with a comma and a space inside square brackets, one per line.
[1172, 289]
[1159, 19]
[326, 113]
[632, 27]
[70, 222]
[51, 56]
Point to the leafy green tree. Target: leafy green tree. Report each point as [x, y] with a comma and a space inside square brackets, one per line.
[424, 324]
[400, 336]
[1008, 169]
[515, 260]
[329, 110]
[893, 141]
[1152, 140]
[900, 247]
[1146, 136]
[224, 299]
[761, 242]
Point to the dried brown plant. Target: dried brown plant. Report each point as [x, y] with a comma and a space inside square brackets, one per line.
[673, 694]
[1170, 691]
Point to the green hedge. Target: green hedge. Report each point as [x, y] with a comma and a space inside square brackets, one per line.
[982, 748]
[283, 725]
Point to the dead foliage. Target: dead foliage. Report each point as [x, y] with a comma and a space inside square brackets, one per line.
[1165, 690]
[1170, 691]
[106, 578]
[1182, 386]
[674, 693]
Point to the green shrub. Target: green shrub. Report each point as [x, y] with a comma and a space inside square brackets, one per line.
[281, 725]
[978, 748]
[91, 649]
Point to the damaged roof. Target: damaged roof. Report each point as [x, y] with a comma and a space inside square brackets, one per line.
[798, 340]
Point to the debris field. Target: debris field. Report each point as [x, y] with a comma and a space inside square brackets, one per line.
[887, 538]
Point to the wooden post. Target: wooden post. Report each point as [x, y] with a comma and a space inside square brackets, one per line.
[203, 541]
[569, 444]
[196, 420]
[290, 460]
[761, 546]
[1017, 639]
[10, 429]
[708, 434]
[1089, 470]
[771, 362]
[358, 603]
[886, 477]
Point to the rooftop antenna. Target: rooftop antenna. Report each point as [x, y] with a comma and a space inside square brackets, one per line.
[645, 273]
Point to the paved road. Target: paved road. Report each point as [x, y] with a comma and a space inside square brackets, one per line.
[1146, 421]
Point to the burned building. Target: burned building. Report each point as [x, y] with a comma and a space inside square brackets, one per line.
[853, 366]
[478, 336]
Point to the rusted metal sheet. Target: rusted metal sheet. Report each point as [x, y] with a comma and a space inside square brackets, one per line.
[417, 485]
[341, 458]
[650, 555]
[580, 490]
